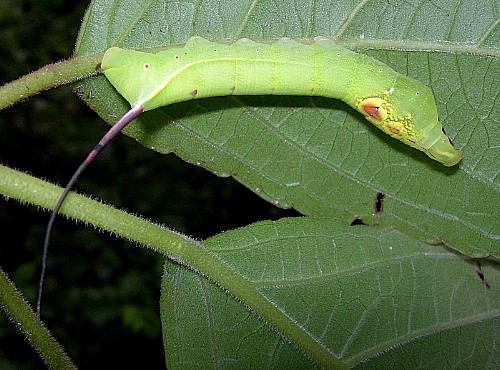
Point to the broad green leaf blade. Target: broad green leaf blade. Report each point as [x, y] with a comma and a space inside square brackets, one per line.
[373, 298]
[321, 278]
[203, 327]
[317, 155]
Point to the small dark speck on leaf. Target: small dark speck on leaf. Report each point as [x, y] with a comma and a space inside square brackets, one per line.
[480, 274]
[379, 200]
[357, 221]
[194, 92]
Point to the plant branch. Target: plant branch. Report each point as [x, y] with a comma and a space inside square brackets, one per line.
[175, 246]
[49, 77]
[20, 313]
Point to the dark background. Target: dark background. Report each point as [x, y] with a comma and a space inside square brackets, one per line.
[101, 293]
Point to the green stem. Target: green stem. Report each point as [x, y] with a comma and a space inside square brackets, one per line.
[21, 313]
[177, 247]
[48, 77]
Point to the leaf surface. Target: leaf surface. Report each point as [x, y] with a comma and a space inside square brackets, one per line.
[372, 298]
[386, 295]
[317, 155]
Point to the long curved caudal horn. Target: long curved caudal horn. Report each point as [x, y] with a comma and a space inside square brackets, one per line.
[113, 131]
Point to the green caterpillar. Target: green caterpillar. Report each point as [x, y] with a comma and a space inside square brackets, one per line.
[400, 106]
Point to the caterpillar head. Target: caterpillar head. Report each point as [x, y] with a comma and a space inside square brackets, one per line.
[411, 118]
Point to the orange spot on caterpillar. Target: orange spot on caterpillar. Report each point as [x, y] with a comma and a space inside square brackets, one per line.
[394, 130]
[373, 109]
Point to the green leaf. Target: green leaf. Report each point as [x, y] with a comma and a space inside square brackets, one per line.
[344, 295]
[321, 158]
[373, 299]
[317, 155]
[387, 294]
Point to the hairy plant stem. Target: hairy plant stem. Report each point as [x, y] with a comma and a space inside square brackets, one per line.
[49, 77]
